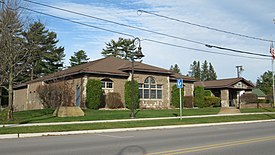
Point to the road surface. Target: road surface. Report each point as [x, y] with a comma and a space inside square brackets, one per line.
[244, 139]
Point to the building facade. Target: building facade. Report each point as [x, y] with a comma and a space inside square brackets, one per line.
[155, 84]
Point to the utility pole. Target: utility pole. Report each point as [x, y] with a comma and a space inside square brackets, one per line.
[239, 71]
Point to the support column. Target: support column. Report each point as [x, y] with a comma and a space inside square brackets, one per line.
[224, 98]
[84, 95]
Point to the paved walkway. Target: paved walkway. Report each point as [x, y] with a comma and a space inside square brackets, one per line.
[229, 110]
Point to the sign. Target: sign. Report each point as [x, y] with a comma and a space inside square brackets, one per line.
[180, 86]
[179, 83]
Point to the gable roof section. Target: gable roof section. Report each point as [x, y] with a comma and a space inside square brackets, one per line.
[223, 83]
[105, 66]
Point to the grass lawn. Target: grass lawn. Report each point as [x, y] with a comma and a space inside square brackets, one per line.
[45, 115]
[56, 128]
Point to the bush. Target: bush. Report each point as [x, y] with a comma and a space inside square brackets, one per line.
[94, 93]
[113, 100]
[249, 98]
[128, 94]
[211, 101]
[207, 93]
[188, 101]
[199, 97]
[176, 96]
[56, 94]
[262, 101]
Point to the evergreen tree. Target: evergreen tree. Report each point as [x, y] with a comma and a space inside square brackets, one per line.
[46, 56]
[205, 71]
[123, 48]
[175, 68]
[212, 73]
[195, 70]
[264, 82]
[78, 58]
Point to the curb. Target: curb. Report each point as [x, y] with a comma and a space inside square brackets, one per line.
[27, 135]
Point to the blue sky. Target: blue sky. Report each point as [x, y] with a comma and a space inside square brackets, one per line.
[249, 17]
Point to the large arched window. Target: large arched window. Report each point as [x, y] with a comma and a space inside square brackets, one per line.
[150, 89]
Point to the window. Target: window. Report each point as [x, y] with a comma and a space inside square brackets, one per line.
[150, 89]
[107, 84]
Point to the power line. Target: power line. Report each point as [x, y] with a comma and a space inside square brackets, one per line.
[117, 23]
[66, 19]
[146, 30]
[205, 51]
[207, 27]
[151, 40]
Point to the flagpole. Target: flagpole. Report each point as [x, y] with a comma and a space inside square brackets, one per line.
[273, 82]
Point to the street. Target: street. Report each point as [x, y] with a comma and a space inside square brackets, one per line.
[245, 139]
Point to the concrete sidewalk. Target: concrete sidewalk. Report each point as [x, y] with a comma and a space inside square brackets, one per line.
[27, 135]
[127, 120]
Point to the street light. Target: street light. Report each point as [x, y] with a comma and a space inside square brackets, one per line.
[135, 55]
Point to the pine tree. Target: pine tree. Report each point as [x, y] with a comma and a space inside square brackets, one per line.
[205, 71]
[46, 56]
[212, 73]
[79, 58]
[195, 70]
[123, 48]
[175, 68]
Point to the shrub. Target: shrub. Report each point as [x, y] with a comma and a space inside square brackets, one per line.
[113, 100]
[249, 98]
[211, 101]
[128, 94]
[262, 101]
[94, 93]
[207, 93]
[176, 96]
[188, 101]
[199, 97]
[53, 95]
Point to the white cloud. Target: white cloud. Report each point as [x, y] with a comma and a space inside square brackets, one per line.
[252, 18]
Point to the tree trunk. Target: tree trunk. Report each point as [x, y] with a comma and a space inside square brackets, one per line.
[10, 107]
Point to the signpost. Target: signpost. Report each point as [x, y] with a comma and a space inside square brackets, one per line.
[180, 86]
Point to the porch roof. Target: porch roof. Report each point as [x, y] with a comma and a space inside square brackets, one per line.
[224, 83]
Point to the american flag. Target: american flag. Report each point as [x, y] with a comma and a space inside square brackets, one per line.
[272, 51]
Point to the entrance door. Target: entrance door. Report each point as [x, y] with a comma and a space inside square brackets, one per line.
[77, 102]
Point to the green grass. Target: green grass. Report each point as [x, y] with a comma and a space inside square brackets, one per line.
[45, 115]
[131, 124]
[251, 110]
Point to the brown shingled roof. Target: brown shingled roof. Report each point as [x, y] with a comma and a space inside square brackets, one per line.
[109, 65]
[183, 77]
[222, 83]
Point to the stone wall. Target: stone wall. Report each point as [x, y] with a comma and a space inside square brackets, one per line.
[255, 105]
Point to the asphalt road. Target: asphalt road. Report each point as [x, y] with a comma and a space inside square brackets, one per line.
[244, 139]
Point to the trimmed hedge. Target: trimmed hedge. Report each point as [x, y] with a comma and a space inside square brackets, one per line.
[128, 94]
[249, 98]
[175, 101]
[211, 101]
[199, 97]
[94, 93]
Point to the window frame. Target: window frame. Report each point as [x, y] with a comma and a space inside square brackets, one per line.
[150, 89]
